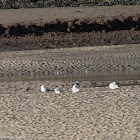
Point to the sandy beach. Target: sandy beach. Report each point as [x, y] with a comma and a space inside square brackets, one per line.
[94, 113]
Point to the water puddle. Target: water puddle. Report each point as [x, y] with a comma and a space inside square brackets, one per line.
[97, 76]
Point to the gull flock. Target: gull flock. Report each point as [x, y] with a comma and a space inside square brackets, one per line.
[75, 89]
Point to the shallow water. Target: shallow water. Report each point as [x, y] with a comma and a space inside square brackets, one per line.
[96, 76]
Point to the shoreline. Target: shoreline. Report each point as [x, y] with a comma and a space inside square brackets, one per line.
[120, 62]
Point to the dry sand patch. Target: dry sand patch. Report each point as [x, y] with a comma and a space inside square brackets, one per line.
[92, 113]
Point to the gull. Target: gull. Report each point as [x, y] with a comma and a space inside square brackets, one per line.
[44, 89]
[113, 85]
[75, 89]
[57, 90]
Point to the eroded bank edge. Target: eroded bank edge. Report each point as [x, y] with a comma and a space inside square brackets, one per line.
[73, 26]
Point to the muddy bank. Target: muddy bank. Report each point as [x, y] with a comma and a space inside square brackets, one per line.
[69, 40]
[75, 33]
[74, 26]
[68, 27]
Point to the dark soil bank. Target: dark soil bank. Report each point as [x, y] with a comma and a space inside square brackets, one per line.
[75, 33]
[65, 40]
[74, 26]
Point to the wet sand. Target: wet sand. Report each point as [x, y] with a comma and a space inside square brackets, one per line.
[104, 62]
[93, 113]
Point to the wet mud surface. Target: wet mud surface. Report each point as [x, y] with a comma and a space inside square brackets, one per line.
[74, 33]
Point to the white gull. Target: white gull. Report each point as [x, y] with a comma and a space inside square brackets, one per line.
[75, 89]
[44, 89]
[113, 85]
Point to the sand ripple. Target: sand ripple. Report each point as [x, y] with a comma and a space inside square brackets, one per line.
[68, 62]
[92, 113]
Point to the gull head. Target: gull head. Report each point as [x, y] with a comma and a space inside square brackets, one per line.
[57, 90]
